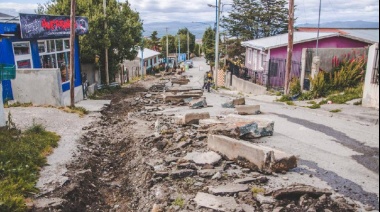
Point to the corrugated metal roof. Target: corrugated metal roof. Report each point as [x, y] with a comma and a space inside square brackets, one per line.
[148, 53]
[367, 35]
[282, 40]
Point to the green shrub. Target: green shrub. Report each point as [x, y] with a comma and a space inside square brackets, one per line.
[315, 106]
[348, 95]
[21, 158]
[320, 85]
[295, 87]
[284, 98]
[350, 74]
[291, 103]
[312, 102]
[323, 102]
[306, 96]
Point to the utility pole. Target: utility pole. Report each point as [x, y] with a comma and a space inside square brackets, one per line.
[167, 47]
[319, 25]
[179, 47]
[217, 43]
[142, 58]
[290, 46]
[72, 53]
[106, 48]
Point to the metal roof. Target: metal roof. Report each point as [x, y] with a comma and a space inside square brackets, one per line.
[148, 53]
[368, 36]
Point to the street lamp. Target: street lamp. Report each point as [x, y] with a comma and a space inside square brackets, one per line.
[216, 40]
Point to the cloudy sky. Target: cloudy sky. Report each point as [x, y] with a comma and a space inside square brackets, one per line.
[198, 11]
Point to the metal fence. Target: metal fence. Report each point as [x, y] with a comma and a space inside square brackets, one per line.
[272, 78]
[375, 72]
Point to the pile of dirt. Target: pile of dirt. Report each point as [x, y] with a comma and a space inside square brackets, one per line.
[136, 159]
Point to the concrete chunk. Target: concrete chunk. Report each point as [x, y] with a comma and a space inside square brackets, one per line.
[252, 126]
[233, 103]
[198, 103]
[192, 118]
[229, 189]
[183, 173]
[203, 158]
[216, 203]
[248, 109]
[264, 158]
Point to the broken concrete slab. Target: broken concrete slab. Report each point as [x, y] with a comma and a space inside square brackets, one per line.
[249, 180]
[176, 98]
[191, 118]
[298, 190]
[233, 103]
[216, 203]
[248, 109]
[203, 158]
[229, 189]
[251, 126]
[265, 159]
[198, 103]
[207, 173]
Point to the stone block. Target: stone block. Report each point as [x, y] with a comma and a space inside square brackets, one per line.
[229, 189]
[198, 103]
[191, 118]
[248, 109]
[203, 158]
[233, 103]
[251, 126]
[265, 159]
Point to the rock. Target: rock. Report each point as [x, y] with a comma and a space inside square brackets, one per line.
[214, 202]
[265, 159]
[198, 103]
[300, 190]
[191, 118]
[183, 173]
[228, 189]
[217, 176]
[247, 208]
[203, 158]
[235, 102]
[248, 109]
[265, 200]
[206, 173]
[249, 180]
[252, 127]
[48, 202]
[369, 208]
[278, 209]
[156, 208]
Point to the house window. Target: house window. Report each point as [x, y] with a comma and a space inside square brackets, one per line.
[23, 56]
[55, 54]
[375, 72]
[250, 56]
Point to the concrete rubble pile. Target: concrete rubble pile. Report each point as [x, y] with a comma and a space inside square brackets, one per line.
[196, 171]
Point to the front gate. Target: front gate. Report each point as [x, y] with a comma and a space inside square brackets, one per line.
[277, 70]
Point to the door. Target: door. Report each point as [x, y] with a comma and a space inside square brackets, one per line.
[23, 55]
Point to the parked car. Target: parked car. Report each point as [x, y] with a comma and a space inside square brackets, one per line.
[190, 63]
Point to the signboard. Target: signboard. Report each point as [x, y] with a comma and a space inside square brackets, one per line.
[46, 26]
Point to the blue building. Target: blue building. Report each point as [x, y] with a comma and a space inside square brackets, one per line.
[40, 42]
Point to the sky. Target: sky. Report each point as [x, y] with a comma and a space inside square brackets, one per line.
[198, 10]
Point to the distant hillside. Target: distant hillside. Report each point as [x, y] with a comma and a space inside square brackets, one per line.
[344, 24]
[195, 28]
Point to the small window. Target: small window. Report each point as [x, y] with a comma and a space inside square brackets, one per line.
[67, 44]
[59, 45]
[21, 48]
[273, 69]
[41, 46]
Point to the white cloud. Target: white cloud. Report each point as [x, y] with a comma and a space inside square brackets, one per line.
[10, 7]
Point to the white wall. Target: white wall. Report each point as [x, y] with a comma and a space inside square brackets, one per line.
[371, 91]
[2, 114]
[244, 85]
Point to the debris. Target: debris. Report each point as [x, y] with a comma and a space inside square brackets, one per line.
[298, 191]
[248, 109]
[215, 202]
[211, 158]
[228, 189]
[265, 159]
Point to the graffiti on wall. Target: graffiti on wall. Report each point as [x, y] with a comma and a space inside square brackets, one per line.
[46, 26]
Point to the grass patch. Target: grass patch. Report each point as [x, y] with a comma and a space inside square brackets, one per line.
[290, 103]
[336, 111]
[257, 190]
[180, 202]
[21, 157]
[78, 110]
[284, 98]
[315, 106]
[225, 88]
[347, 95]
[323, 102]
[312, 103]
[358, 103]
[17, 104]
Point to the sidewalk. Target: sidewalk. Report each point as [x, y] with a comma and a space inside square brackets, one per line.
[350, 112]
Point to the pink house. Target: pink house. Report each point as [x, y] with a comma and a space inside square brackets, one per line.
[267, 56]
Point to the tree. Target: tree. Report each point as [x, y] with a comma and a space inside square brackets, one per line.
[172, 45]
[123, 34]
[252, 19]
[208, 41]
[154, 41]
[183, 36]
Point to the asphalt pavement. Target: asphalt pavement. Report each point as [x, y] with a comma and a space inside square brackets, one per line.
[337, 151]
